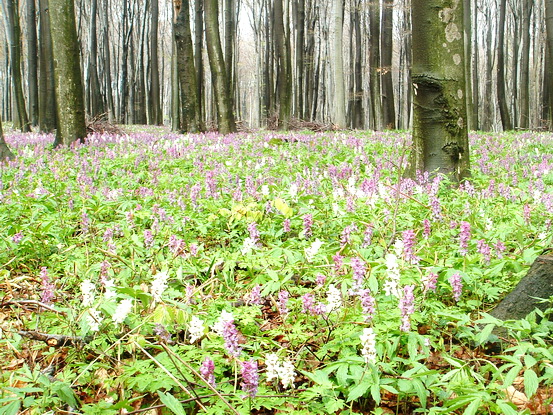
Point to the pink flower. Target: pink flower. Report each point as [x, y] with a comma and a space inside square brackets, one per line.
[367, 303]
[407, 307]
[307, 224]
[207, 370]
[464, 238]
[47, 286]
[457, 285]
[250, 377]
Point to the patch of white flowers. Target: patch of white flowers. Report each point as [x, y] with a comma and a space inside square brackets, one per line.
[122, 311]
[368, 342]
[196, 329]
[283, 370]
[313, 250]
[333, 298]
[87, 290]
[159, 285]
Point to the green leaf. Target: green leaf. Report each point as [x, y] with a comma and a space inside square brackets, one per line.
[11, 409]
[507, 408]
[485, 333]
[171, 403]
[422, 393]
[473, 407]
[360, 389]
[531, 383]
[375, 393]
[65, 393]
[320, 378]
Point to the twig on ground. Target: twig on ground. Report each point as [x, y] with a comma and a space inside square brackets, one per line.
[55, 340]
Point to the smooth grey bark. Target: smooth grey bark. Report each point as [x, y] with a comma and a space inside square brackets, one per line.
[156, 115]
[225, 113]
[355, 110]
[32, 62]
[440, 136]
[13, 32]
[198, 58]
[67, 70]
[189, 120]
[548, 96]
[467, 19]
[284, 67]
[5, 152]
[47, 88]
[300, 56]
[501, 86]
[527, 6]
[388, 106]
[94, 100]
[108, 95]
[374, 64]
[337, 58]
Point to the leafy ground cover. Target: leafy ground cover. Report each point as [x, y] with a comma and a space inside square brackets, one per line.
[269, 273]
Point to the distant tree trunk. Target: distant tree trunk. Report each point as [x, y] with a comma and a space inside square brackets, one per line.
[310, 65]
[225, 114]
[284, 67]
[501, 94]
[32, 62]
[5, 152]
[95, 103]
[198, 58]
[230, 41]
[47, 89]
[475, 73]
[175, 88]
[109, 102]
[388, 110]
[156, 115]
[300, 54]
[548, 97]
[13, 31]
[374, 64]
[356, 119]
[186, 72]
[467, 20]
[69, 86]
[126, 33]
[527, 6]
[440, 137]
[337, 58]
[139, 90]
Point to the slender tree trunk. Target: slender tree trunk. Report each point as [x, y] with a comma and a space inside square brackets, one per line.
[47, 89]
[467, 20]
[126, 32]
[501, 87]
[95, 102]
[374, 63]
[300, 53]
[527, 6]
[440, 136]
[5, 152]
[388, 110]
[32, 62]
[225, 114]
[339, 96]
[156, 115]
[548, 97]
[186, 71]
[109, 101]
[230, 39]
[284, 67]
[69, 86]
[198, 59]
[357, 117]
[475, 73]
[11, 11]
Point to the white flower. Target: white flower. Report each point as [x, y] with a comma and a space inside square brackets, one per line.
[398, 247]
[122, 311]
[196, 329]
[219, 325]
[94, 319]
[247, 246]
[271, 361]
[287, 374]
[333, 298]
[265, 190]
[391, 285]
[159, 285]
[109, 291]
[293, 191]
[368, 341]
[313, 249]
[87, 290]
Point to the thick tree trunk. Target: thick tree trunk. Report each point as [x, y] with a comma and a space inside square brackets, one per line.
[109, 101]
[225, 114]
[467, 19]
[440, 137]
[355, 109]
[337, 58]
[374, 63]
[32, 62]
[186, 71]
[47, 89]
[11, 11]
[300, 53]
[69, 86]
[5, 152]
[156, 115]
[388, 109]
[284, 67]
[527, 6]
[198, 59]
[501, 86]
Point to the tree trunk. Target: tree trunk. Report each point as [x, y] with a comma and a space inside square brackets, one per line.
[374, 63]
[109, 101]
[355, 109]
[47, 89]
[11, 11]
[32, 62]
[156, 115]
[284, 67]
[198, 59]
[95, 103]
[5, 152]
[388, 110]
[186, 71]
[501, 86]
[337, 58]
[300, 53]
[440, 137]
[548, 107]
[467, 19]
[527, 6]
[225, 114]
[69, 86]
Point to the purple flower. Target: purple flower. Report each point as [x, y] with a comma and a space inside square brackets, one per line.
[230, 335]
[254, 233]
[367, 237]
[176, 245]
[48, 287]
[286, 225]
[346, 235]
[359, 269]
[457, 285]
[367, 303]
[148, 239]
[307, 224]
[17, 237]
[254, 298]
[464, 238]
[527, 210]
[161, 331]
[85, 222]
[407, 307]
[207, 370]
[484, 249]
[427, 229]
[430, 282]
[499, 249]
[436, 208]
[338, 262]
[250, 377]
[320, 279]
[193, 250]
[283, 302]
[308, 303]
[409, 242]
